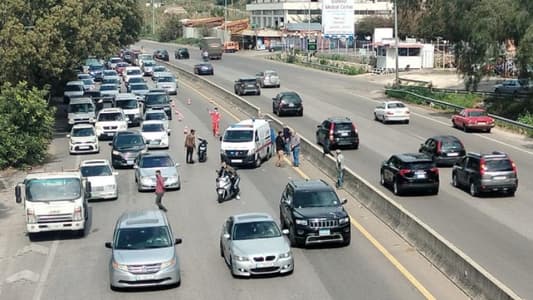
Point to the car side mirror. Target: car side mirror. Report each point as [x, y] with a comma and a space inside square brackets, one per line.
[285, 231]
[178, 241]
[108, 245]
[274, 99]
[318, 126]
[177, 164]
[344, 201]
[18, 193]
[226, 236]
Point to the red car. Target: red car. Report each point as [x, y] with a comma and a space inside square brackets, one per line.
[473, 119]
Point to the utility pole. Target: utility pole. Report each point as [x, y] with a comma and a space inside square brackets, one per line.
[153, 18]
[396, 42]
[225, 18]
[308, 33]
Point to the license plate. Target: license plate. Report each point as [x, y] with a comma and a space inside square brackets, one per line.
[499, 177]
[291, 104]
[236, 160]
[344, 134]
[110, 134]
[145, 277]
[130, 162]
[453, 154]
[154, 142]
[322, 232]
[420, 174]
[482, 123]
[84, 147]
[265, 265]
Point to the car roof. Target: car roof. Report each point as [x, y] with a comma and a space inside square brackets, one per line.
[156, 92]
[310, 184]
[108, 84]
[125, 96]
[75, 82]
[94, 162]
[339, 119]
[493, 155]
[414, 157]
[252, 217]
[153, 122]
[82, 125]
[111, 110]
[54, 174]
[247, 78]
[142, 218]
[156, 154]
[80, 100]
[392, 101]
[128, 132]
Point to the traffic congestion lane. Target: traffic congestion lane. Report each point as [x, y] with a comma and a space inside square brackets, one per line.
[491, 222]
[80, 266]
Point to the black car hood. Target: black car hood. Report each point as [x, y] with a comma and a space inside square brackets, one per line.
[328, 212]
[130, 149]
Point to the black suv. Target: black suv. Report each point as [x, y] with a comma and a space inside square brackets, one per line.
[410, 172]
[161, 54]
[338, 132]
[494, 172]
[314, 214]
[287, 103]
[158, 100]
[126, 146]
[181, 53]
[445, 150]
[246, 85]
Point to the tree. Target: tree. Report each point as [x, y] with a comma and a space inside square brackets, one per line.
[368, 24]
[26, 125]
[171, 28]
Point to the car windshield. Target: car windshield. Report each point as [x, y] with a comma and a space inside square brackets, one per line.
[498, 165]
[477, 113]
[238, 136]
[419, 165]
[98, 170]
[128, 141]
[87, 81]
[291, 98]
[315, 199]
[110, 81]
[142, 238]
[138, 87]
[122, 64]
[153, 128]
[166, 79]
[156, 162]
[108, 87]
[110, 73]
[110, 117]
[156, 99]
[53, 189]
[73, 88]
[149, 64]
[155, 116]
[159, 69]
[451, 145]
[248, 81]
[255, 230]
[396, 105]
[115, 60]
[96, 67]
[343, 126]
[136, 80]
[81, 108]
[133, 72]
[127, 104]
[81, 132]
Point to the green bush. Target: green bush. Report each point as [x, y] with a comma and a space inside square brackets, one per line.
[26, 125]
[188, 41]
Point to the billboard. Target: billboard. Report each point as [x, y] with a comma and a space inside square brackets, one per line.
[338, 18]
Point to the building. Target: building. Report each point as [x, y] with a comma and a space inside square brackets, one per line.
[277, 13]
[411, 55]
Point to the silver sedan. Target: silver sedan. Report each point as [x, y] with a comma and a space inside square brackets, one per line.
[147, 164]
[253, 244]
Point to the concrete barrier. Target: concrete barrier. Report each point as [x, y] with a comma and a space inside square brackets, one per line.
[472, 278]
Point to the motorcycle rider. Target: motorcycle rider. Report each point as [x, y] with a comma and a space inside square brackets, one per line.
[232, 173]
[205, 55]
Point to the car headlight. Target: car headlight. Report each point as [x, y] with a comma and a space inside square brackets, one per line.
[92, 120]
[168, 263]
[110, 187]
[146, 180]
[240, 258]
[285, 255]
[344, 220]
[115, 152]
[122, 126]
[251, 152]
[120, 267]
[172, 179]
[301, 222]
[71, 121]
[77, 215]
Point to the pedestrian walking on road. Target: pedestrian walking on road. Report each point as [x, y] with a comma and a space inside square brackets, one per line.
[287, 140]
[339, 159]
[280, 148]
[159, 190]
[190, 145]
[295, 148]
[215, 121]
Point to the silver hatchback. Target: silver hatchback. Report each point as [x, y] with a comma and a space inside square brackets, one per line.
[143, 251]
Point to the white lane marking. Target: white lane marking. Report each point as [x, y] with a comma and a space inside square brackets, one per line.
[44, 275]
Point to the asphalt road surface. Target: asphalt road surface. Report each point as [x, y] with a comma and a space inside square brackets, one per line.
[60, 266]
[495, 231]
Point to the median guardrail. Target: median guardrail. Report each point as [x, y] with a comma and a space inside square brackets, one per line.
[455, 107]
[472, 278]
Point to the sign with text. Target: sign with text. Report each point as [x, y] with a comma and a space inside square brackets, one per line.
[338, 17]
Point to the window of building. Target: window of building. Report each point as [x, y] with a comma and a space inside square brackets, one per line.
[414, 52]
[402, 52]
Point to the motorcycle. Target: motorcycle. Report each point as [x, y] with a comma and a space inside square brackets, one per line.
[202, 150]
[205, 57]
[224, 190]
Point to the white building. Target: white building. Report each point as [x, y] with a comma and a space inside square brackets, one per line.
[411, 55]
[276, 13]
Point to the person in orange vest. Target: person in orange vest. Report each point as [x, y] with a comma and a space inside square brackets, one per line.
[215, 120]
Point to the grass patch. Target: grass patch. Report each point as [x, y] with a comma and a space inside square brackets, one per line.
[188, 41]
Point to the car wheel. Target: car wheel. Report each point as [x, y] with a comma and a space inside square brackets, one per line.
[396, 188]
[347, 241]
[355, 146]
[261, 84]
[375, 117]
[80, 233]
[257, 163]
[455, 182]
[292, 238]
[434, 191]
[231, 267]
[473, 189]
[488, 130]
[278, 85]
[382, 179]
[273, 109]
[406, 121]
[465, 129]
[301, 113]
[511, 193]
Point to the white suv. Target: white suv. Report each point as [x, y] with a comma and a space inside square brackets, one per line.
[110, 121]
[132, 72]
[102, 178]
[82, 139]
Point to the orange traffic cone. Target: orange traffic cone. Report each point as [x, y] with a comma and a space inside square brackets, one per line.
[189, 101]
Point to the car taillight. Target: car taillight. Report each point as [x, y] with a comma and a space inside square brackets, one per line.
[482, 167]
[354, 128]
[514, 167]
[404, 171]
[331, 130]
[434, 170]
[439, 146]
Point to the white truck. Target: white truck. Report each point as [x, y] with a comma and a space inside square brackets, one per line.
[54, 201]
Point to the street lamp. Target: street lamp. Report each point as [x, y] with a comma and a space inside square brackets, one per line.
[397, 77]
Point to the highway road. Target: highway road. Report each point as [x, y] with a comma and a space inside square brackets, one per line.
[495, 231]
[59, 266]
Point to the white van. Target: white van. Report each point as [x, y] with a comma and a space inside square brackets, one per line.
[247, 143]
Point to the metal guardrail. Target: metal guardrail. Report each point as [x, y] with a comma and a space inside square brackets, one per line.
[458, 107]
[481, 93]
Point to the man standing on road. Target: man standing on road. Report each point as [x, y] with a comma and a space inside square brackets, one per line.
[295, 148]
[280, 148]
[159, 190]
[215, 120]
[190, 145]
[287, 140]
[340, 169]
